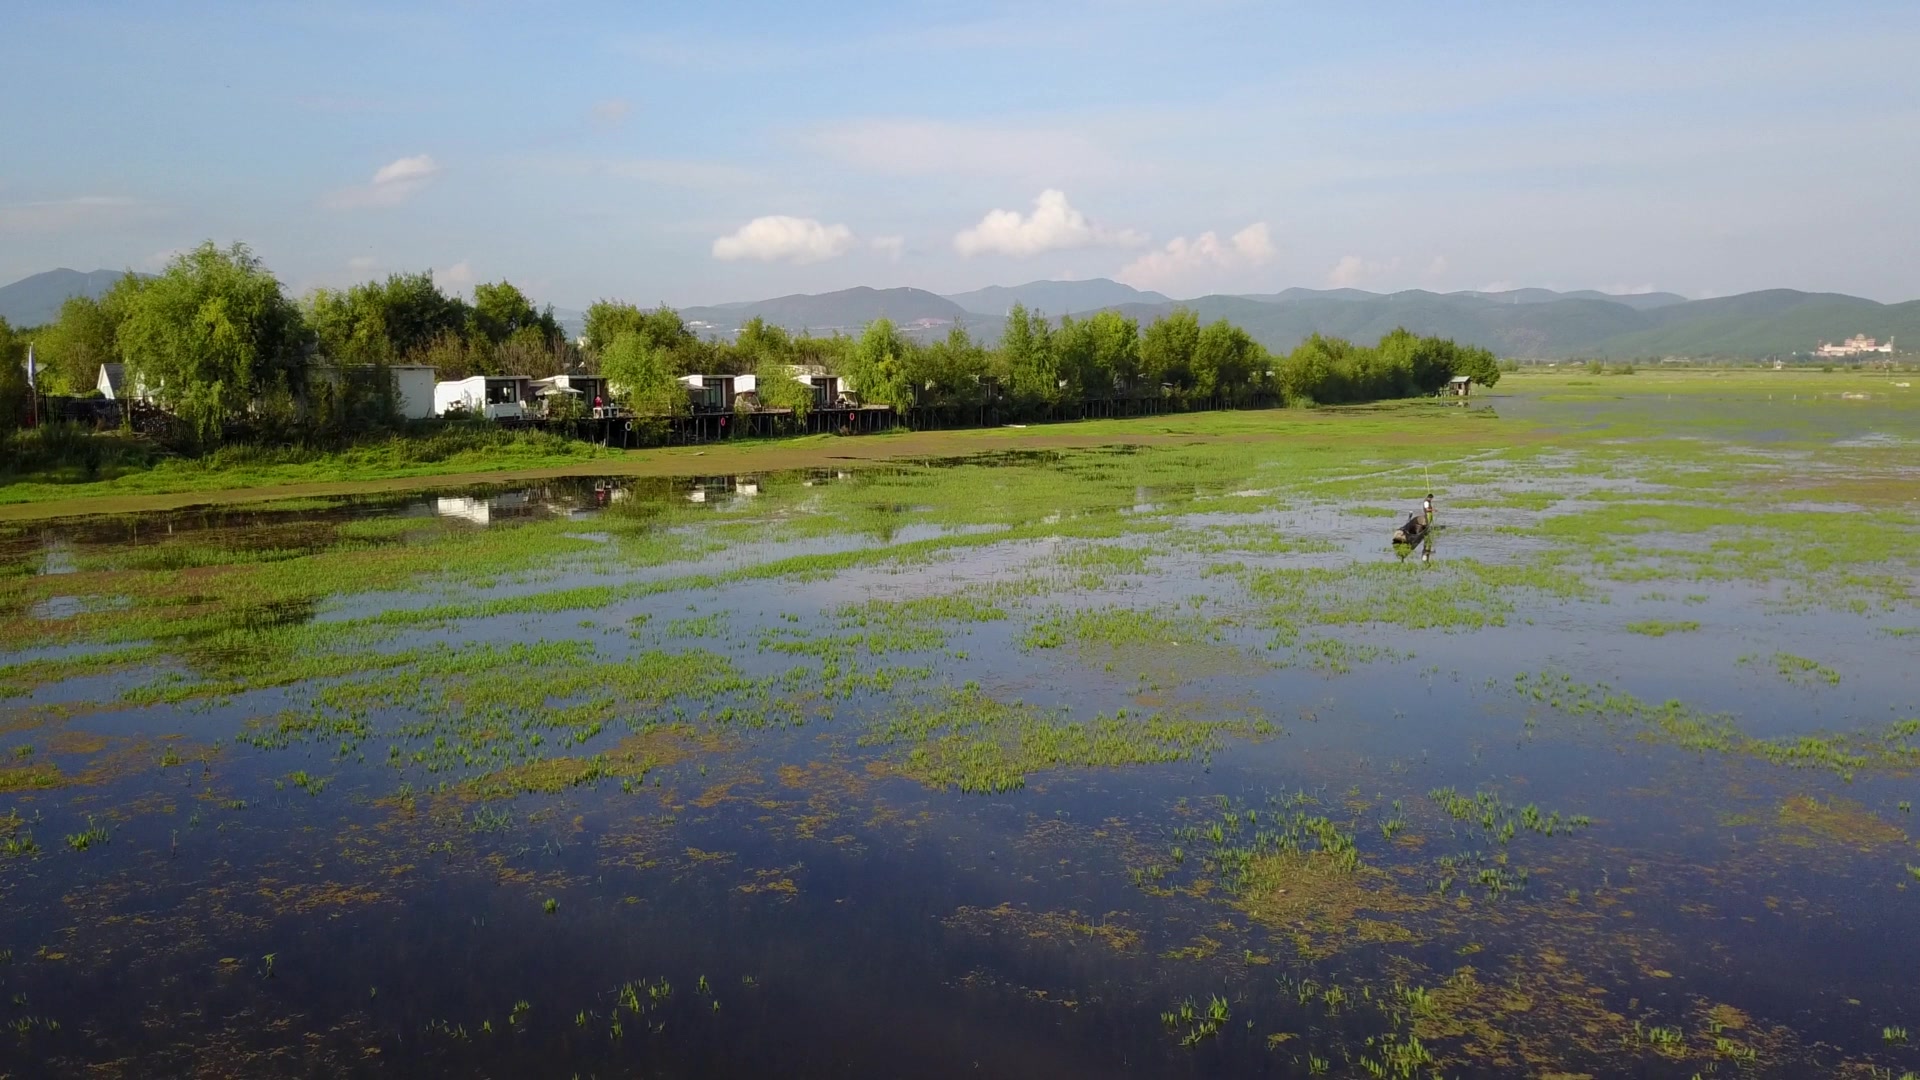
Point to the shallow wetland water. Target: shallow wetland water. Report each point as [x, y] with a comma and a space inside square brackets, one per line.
[1135, 760]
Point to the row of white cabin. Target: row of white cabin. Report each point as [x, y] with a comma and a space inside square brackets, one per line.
[508, 396]
[504, 397]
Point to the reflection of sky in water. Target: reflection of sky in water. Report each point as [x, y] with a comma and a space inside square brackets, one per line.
[856, 972]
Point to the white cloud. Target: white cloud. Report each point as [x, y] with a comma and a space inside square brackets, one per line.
[1352, 270]
[159, 259]
[778, 237]
[612, 112]
[1054, 225]
[407, 170]
[1203, 258]
[361, 264]
[59, 215]
[392, 184]
[1626, 290]
[891, 246]
[458, 277]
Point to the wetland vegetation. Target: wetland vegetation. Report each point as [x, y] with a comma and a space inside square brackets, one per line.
[1137, 754]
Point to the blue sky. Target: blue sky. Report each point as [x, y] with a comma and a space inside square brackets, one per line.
[704, 153]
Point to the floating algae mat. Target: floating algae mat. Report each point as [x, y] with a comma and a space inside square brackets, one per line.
[1148, 760]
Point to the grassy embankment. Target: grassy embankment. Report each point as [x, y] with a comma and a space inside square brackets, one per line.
[139, 482]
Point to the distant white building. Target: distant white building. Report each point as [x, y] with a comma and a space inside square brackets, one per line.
[113, 385]
[413, 390]
[111, 380]
[412, 385]
[590, 389]
[1857, 345]
[496, 397]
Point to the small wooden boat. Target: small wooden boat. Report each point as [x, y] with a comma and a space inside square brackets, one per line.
[1414, 531]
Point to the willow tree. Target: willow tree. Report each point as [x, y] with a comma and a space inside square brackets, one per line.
[642, 375]
[876, 366]
[213, 336]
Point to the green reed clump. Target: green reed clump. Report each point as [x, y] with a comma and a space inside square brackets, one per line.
[1661, 628]
[1892, 748]
[1194, 1024]
[1800, 669]
[92, 836]
[1120, 628]
[977, 744]
[1501, 819]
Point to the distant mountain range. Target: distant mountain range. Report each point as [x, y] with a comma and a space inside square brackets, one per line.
[848, 309]
[1055, 297]
[1515, 322]
[37, 299]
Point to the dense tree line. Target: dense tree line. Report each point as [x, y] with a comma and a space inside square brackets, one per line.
[218, 342]
[1038, 366]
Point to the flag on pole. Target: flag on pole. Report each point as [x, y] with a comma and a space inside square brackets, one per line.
[30, 385]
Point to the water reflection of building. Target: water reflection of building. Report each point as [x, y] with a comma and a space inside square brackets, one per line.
[710, 488]
[485, 510]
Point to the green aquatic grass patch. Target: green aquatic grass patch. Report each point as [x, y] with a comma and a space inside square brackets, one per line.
[1120, 628]
[974, 743]
[1892, 748]
[1662, 627]
[1459, 595]
[1800, 669]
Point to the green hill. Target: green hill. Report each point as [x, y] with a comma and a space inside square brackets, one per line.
[847, 309]
[37, 299]
[1054, 297]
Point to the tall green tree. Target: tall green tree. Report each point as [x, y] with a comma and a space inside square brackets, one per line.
[642, 376]
[1166, 349]
[876, 366]
[383, 321]
[13, 378]
[1026, 347]
[777, 387]
[71, 349]
[1116, 354]
[606, 319]
[1224, 360]
[1477, 362]
[948, 371]
[500, 310]
[660, 328]
[1313, 371]
[1075, 359]
[758, 338]
[214, 335]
